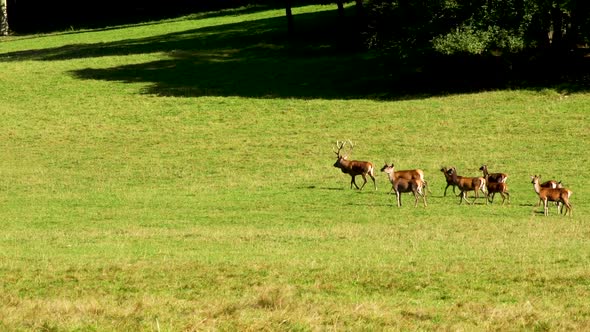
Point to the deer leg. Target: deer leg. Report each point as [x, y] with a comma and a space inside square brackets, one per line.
[491, 198]
[373, 178]
[445, 194]
[421, 191]
[475, 197]
[352, 181]
[569, 208]
[365, 181]
[545, 207]
[562, 205]
[508, 196]
[463, 195]
[398, 197]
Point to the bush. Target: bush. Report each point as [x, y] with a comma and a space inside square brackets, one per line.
[467, 39]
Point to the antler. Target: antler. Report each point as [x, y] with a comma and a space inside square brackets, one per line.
[351, 145]
[339, 145]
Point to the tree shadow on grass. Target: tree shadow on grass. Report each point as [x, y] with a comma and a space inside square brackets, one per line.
[259, 59]
[251, 59]
[247, 59]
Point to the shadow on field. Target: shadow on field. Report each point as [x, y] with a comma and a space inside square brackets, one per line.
[312, 187]
[321, 60]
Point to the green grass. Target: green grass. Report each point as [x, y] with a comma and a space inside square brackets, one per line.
[160, 177]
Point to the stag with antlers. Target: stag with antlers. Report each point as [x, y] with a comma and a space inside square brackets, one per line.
[353, 167]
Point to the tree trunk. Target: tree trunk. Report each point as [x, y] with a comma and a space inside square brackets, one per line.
[340, 8]
[289, 14]
[573, 33]
[360, 10]
[557, 33]
[3, 19]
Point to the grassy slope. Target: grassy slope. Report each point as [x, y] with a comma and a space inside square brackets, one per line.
[144, 182]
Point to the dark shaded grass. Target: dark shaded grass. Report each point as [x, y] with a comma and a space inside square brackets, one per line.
[323, 59]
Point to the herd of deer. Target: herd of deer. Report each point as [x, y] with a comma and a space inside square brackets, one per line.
[412, 181]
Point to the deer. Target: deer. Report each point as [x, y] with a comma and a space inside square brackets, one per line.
[354, 167]
[497, 187]
[493, 177]
[550, 184]
[495, 183]
[466, 184]
[449, 180]
[559, 195]
[411, 174]
[405, 185]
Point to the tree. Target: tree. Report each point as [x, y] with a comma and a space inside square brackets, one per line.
[339, 4]
[289, 14]
[478, 26]
[3, 19]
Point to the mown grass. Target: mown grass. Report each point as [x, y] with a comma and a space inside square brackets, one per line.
[142, 190]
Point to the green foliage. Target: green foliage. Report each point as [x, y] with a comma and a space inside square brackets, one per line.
[476, 27]
[470, 40]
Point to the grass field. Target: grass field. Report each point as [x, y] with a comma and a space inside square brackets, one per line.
[178, 175]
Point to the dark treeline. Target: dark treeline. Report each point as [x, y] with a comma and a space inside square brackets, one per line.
[477, 26]
[484, 43]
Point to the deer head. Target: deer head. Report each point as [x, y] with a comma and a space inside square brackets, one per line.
[341, 157]
[387, 168]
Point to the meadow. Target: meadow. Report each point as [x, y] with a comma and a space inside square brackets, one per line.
[177, 176]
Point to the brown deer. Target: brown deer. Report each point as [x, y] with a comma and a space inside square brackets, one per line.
[404, 185]
[497, 187]
[449, 179]
[550, 184]
[411, 174]
[354, 167]
[493, 177]
[559, 195]
[466, 184]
